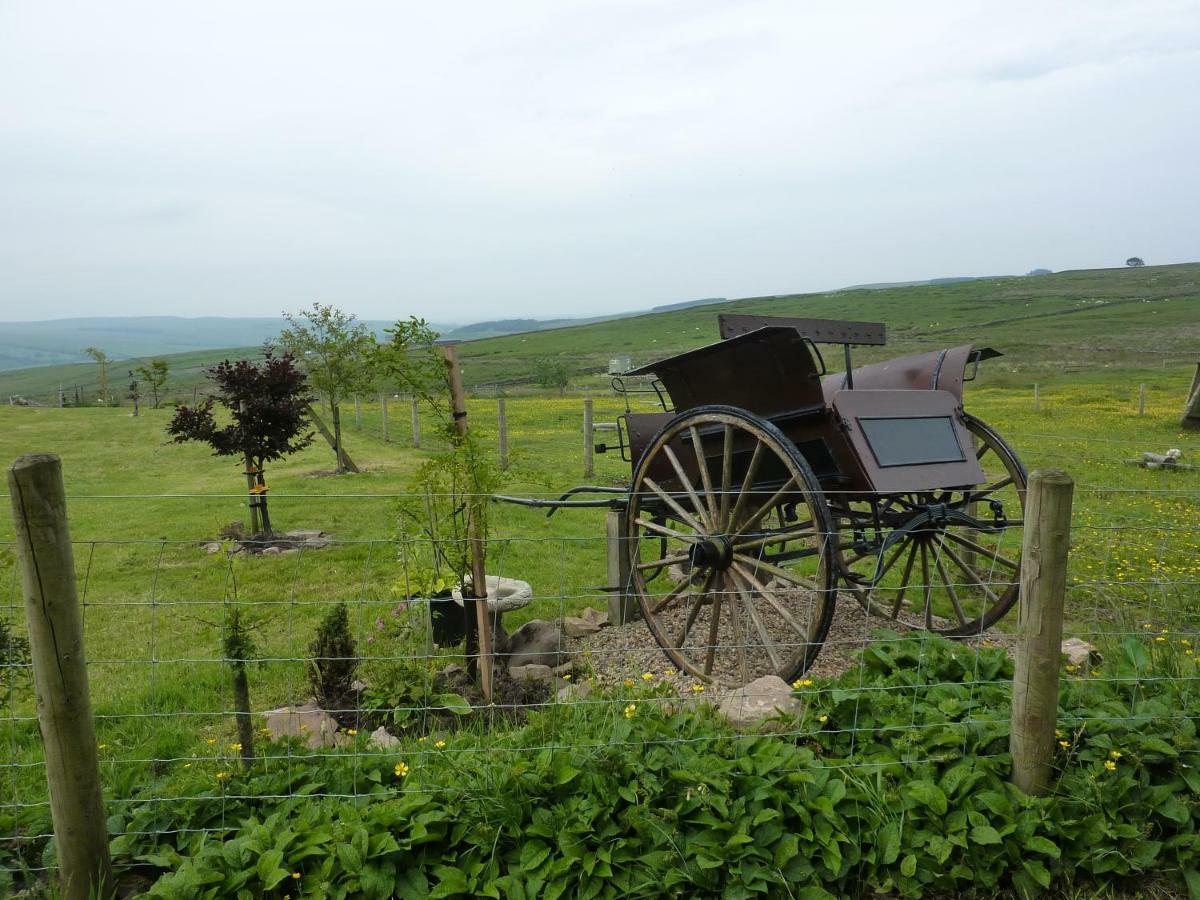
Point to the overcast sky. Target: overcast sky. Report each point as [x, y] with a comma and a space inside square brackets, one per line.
[496, 159]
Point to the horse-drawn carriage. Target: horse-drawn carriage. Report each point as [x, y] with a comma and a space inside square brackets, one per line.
[764, 487]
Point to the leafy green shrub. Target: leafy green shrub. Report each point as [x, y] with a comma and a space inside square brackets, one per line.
[894, 780]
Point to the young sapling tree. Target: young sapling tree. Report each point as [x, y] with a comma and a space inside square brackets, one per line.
[268, 405]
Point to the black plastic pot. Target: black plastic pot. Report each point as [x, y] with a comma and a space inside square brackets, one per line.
[449, 621]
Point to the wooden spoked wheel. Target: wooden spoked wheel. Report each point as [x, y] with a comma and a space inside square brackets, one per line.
[941, 576]
[731, 547]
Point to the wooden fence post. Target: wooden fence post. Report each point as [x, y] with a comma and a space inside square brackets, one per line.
[357, 412]
[64, 709]
[1037, 398]
[621, 605]
[502, 424]
[1046, 541]
[1191, 414]
[416, 424]
[588, 435]
[1141, 400]
[477, 596]
[383, 414]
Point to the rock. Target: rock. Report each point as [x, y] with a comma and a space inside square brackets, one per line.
[1079, 653]
[503, 593]
[290, 551]
[453, 669]
[535, 643]
[598, 617]
[760, 699]
[383, 739]
[212, 547]
[577, 627]
[532, 672]
[271, 551]
[318, 728]
[358, 686]
[571, 692]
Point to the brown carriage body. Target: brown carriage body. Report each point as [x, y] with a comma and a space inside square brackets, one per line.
[894, 426]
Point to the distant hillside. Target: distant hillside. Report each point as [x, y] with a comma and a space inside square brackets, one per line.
[1092, 319]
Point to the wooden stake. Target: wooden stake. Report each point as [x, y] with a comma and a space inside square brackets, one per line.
[1141, 400]
[502, 419]
[1046, 541]
[416, 424]
[478, 589]
[1037, 400]
[621, 605]
[64, 709]
[357, 412]
[347, 462]
[383, 414]
[588, 435]
[1191, 414]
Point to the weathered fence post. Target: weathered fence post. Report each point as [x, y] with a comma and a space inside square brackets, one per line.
[35, 487]
[502, 424]
[1044, 550]
[588, 435]
[1037, 398]
[357, 412]
[1191, 414]
[1141, 400]
[621, 605]
[383, 414]
[416, 424]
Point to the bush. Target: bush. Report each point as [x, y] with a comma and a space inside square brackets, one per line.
[333, 661]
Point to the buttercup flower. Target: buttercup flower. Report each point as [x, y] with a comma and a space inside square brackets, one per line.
[631, 710]
[222, 776]
[697, 689]
[647, 676]
[401, 770]
[823, 719]
[440, 744]
[235, 747]
[1110, 765]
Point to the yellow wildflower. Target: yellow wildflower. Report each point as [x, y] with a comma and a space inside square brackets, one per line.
[211, 741]
[628, 682]
[235, 747]
[102, 746]
[567, 677]
[352, 731]
[1115, 754]
[296, 875]
[1160, 639]
[1110, 765]
[823, 719]
[647, 676]
[401, 770]
[440, 744]
[697, 689]
[1064, 744]
[222, 776]
[631, 710]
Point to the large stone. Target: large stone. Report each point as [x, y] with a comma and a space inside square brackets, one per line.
[535, 643]
[531, 673]
[570, 692]
[576, 627]
[212, 547]
[318, 728]
[760, 699]
[383, 739]
[1079, 653]
[598, 617]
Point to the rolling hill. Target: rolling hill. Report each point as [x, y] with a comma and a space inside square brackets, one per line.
[1070, 321]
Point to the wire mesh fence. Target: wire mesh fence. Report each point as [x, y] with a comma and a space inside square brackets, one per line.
[872, 688]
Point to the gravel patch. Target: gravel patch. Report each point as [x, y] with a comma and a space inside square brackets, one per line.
[620, 653]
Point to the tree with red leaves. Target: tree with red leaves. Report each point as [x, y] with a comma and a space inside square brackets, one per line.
[268, 403]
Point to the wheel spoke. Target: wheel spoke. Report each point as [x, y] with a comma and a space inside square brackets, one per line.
[665, 561]
[747, 483]
[766, 507]
[941, 567]
[754, 583]
[739, 639]
[758, 625]
[726, 478]
[665, 531]
[904, 580]
[671, 595]
[713, 628]
[701, 510]
[928, 587]
[972, 575]
[776, 537]
[705, 478]
[992, 488]
[666, 498]
[979, 548]
[695, 601]
[777, 571]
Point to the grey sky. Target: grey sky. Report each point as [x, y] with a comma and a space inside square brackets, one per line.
[485, 160]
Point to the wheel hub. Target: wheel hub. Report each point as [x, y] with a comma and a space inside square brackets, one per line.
[714, 552]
